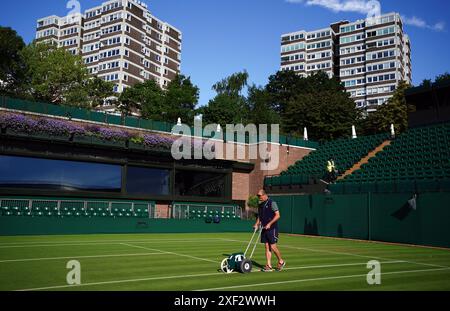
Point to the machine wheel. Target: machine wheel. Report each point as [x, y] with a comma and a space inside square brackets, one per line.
[225, 267]
[246, 266]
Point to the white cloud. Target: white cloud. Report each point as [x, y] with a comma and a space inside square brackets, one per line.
[418, 22]
[369, 7]
[359, 6]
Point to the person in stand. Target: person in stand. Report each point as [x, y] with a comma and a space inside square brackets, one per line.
[331, 170]
[268, 216]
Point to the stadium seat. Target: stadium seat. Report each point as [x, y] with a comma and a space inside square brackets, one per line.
[346, 152]
[417, 160]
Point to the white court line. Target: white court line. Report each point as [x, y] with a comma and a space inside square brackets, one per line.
[336, 265]
[119, 282]
[170, 253]
[318, 279]
[104, 241]
[197, 276]
[109, 243]
[78, 257]
[348, 254]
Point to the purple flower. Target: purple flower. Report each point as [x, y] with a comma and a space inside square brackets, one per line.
[93, 128]
[58, 127]
[156, 141]
[113, 134]
[18, 123]
[108, 133]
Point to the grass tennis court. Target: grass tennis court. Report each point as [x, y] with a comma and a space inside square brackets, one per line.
[183, 262]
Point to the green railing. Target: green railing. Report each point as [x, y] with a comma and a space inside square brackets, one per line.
[138, 123]
[203, 211]
[75, 207]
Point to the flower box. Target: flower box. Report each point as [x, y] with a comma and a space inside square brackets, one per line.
[59, 137]
[11, 132]
[136, 146]
[109, 143]
[82, 139]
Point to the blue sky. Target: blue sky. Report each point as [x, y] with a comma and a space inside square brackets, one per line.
[223, 37]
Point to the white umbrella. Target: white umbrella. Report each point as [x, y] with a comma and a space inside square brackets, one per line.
[354, 132]
[305, 134]
[392, 130]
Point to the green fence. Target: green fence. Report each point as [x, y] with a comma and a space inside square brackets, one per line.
[16, 225]
[190, 210]
[378, 217]
[51, 207]
[49, 215]
[94, 116]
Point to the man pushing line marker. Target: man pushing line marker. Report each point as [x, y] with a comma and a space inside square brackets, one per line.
[268, 216]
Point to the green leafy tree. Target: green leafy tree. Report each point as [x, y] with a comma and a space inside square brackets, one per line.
[55, 75]
[12, 65]
[426, 83]
[224, 109]
[323, 106]
[232, 85]
[260, 110]
[229, 106]
[98, 90]
[148, 97]
[180, 100]
[395, 111]
[282, 88]
[442, 78]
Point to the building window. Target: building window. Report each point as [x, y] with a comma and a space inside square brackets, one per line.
[147, 181]
[200, 184]
[39, 173]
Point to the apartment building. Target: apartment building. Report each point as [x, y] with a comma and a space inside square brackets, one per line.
[370, 56]
[119, 41]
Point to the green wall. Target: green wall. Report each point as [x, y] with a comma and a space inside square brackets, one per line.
[21, 225]
[379, 217]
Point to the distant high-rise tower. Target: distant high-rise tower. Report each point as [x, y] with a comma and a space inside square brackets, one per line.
[119, 41]
[369, 56]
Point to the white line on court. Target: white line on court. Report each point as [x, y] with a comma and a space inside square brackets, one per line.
[318, 279]
[205, 275]
[170, 253]
[335, 266]
[348, 254]
[111, 243]
[104, 241]
[78, 257]
[119, 282]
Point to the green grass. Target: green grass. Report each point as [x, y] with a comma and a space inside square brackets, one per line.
[190, 262]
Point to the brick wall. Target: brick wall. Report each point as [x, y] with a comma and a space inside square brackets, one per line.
[245, 185]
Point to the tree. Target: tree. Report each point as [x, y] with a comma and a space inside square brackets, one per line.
[283, 87]
[128, 101]
[147, 97]
[323, 106]
[427, 83]
[232, 85]
[55, 75]
[259, 107]
[395, 111]
[12, 66]
[442, 78]
[439, 79]
[223, 110]
[98, 90]
[229, 106]
[180, 100]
